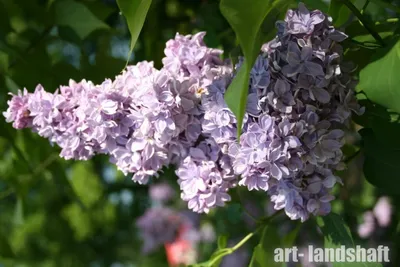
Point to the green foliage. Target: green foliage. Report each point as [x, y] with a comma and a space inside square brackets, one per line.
[336, 234]
[5, 248]
[77, 16]
[222, 241]
[379, 79]
[339, 12]
[263, 255]
[381, 166]
[82, 179]
[135, 13]
[247, 21]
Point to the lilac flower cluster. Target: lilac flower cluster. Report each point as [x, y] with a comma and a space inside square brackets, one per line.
[300, 98]
[292, 144]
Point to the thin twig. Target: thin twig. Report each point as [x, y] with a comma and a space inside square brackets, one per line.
[367, 25]
[227, 251]
[350, 158]
[364, 7]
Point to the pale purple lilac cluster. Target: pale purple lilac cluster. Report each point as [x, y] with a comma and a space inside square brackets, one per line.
[299, 100]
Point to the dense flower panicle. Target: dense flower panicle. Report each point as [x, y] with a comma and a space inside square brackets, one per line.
[188, 56]
[300, 100]
[294, 133]
[205, 177]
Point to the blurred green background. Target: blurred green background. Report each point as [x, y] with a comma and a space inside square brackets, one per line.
[63, 213]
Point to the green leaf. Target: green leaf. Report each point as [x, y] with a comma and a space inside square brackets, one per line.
[372, 111]
[79, 220]
[387, 133]
[335, 231]
[339, 12]
[234, 213]
[246, 19]
[86, 184]
[135, 13]
[5, 248]
[317, 4]
[100, 10]
[380, 80]
[385, 125]
[77, 16]
[336, 234]
[381, 165]
[289, 239]
[263, 255]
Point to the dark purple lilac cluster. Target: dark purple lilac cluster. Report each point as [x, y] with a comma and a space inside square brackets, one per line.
[299, 100]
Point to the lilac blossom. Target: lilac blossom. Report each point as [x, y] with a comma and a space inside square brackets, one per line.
[204, 182]
[300, 100]
[18, 111]
[302, 21]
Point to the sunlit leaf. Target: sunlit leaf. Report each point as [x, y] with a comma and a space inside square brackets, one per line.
[339, 12]
[246, 19]
[135, 13]
[380, 79]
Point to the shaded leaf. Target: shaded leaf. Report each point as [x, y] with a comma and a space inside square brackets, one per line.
[289, 239]
[99, 9]
[77, 16]
[263, 254]
[317, 4]
[381, 165]
[5, 248]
